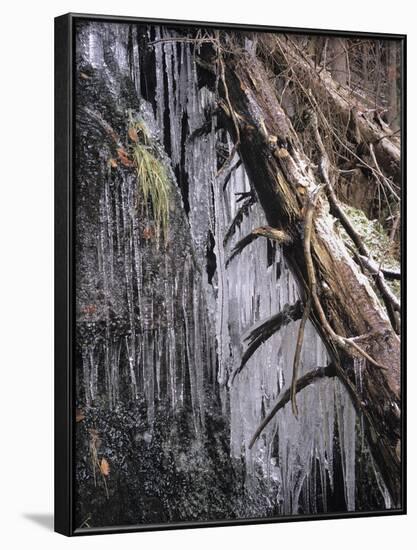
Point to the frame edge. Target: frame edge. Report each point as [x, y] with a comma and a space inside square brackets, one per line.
[63, 448]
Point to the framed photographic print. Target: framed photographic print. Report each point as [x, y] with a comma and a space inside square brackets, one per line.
[229, 259]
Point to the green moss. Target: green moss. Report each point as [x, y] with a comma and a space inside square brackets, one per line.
[375, 239]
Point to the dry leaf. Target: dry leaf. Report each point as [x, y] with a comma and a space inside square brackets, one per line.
[124, 159]
[132, 133]
[84, 76]
[95, 438]
[89, 309]
[148, 233]
[104, 467]
[79, 415]
[112, 163]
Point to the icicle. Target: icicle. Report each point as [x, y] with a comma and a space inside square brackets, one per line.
[176, 320]
[346, 419]
[160, 94]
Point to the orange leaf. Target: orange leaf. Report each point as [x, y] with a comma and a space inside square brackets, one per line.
[148, 233]
[124, 159]
[89, 309]
[132, 133]
[104, 467]
[79, 415]
[113, 163]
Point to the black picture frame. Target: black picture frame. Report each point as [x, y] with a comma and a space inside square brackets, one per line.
[65, 274]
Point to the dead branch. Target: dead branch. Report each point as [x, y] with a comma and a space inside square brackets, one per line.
[308, 378]
[348, 300]
[261, 333]
[297, 354]
[391, 302]
[237, 220]
[330, 92]
[269, 232]
[240, 245]
[374, 269]
[232, 169]
[307, 310]
[372, 266]
[382, 178]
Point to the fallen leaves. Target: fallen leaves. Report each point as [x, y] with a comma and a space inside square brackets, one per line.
[123, 157]
[132, 133]
[101, 465]
[148, 233]
[79, 415]
[89, 309]
[104, 467]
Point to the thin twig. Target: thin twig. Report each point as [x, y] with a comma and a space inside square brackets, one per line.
[389, 299]
[297, 354]
[373, 268]
[232, 169]
[232, 114]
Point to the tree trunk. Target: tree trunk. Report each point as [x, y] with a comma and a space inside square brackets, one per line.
[283, 180]
[338, 65]
[392, 114]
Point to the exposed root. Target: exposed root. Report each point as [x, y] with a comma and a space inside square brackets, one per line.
[307, 310]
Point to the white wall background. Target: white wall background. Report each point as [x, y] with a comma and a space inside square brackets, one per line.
[26, 272]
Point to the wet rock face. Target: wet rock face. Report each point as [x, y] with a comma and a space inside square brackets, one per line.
[160, 324]
[145, 348]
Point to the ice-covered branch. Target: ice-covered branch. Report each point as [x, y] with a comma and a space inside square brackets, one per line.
[261, 333]
[269, 232]
[303, 382]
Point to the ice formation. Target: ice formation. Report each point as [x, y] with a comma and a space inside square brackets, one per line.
[179, 328]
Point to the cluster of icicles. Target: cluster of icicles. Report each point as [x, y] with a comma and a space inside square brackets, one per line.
[207, 334]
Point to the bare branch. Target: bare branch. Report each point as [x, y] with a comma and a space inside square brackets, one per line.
[297, 356]
[266, 231]
[261, 333]
[373, 268]
[391, 302]
[309, 378]
[240, 245]
[235, 166]
[307, 310]
[390, 274]
[237, 220]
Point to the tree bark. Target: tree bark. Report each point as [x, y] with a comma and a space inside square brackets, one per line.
[283, 180]
[392, 114]
[338, 63]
